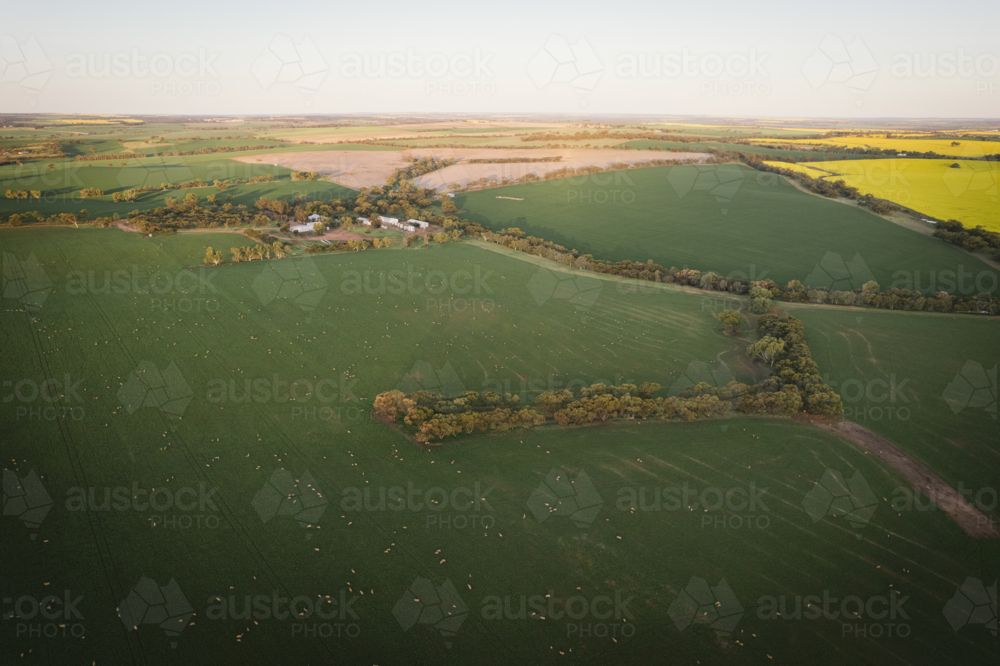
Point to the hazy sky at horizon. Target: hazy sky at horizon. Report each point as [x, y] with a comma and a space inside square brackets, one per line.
[783, 59]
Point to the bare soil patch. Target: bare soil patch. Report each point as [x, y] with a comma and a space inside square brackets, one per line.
[364, 168]
[968, 517]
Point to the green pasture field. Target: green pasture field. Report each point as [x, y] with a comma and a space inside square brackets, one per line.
[157, 356]
[894, 375]
[62, 184]
[731, 220]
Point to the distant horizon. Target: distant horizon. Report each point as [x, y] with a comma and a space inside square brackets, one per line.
[985, 119]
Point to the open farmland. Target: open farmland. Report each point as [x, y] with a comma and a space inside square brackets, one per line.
[356, 170]
[963, 190]
[728, 219]
[892, 385]
[257, 380]
[63, 183]
[958, 147]
[410, 130]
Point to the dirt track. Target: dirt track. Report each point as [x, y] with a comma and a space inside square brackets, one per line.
[968, 517]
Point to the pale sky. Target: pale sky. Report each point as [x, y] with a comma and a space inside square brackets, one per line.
[780, 59]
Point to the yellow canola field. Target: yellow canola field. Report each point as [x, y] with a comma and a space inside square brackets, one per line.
[965, 148]
[967, 193]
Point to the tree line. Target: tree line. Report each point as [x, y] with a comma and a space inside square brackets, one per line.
[794, 385]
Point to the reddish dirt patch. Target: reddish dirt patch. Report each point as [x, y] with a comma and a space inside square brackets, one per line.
[968, 517]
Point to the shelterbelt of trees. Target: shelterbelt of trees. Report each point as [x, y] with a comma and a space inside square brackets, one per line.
[761, 292]
[795, 385]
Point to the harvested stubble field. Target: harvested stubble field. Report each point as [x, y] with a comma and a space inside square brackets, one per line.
[358, 169]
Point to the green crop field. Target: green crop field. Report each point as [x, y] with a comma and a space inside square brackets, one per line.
[894, 377]
[214, 383]
[61, 184]
[732, 220]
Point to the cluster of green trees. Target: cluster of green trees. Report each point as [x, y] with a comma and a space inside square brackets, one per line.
[794, 374]
[417, 167]
[794, 386]
[57, 219]
[89, 192]
[257, 251]
[24, 194]
[954, 232]
[305, 175]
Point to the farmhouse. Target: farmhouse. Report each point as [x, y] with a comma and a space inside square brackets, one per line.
[418, 223]
[316, 218]
[302, 228]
